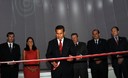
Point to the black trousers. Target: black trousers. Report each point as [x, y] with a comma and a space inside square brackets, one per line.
[99, 70]
[62, 73]
[9, 71]
[120, 70]
[80, 70]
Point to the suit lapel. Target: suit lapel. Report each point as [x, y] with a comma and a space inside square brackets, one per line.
[115, 41]
[94, 42]
[56, 44]
[99, 41]
[119, 41]
[7, 47]
[13, 47]
[64, 43]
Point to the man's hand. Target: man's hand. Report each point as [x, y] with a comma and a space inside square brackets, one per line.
[120, 60]
[98, 61]
[54, 64]
[78, 57]
[11, 63]
[70, 59]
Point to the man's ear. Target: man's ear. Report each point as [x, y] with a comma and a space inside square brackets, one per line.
[99, 34]
[118, 32]
[64, 33]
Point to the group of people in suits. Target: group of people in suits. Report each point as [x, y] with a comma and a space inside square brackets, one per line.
[61, 46]
[77, 68]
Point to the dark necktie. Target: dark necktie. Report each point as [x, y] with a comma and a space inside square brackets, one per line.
[116, 39]
[60, 46]
[10, 47]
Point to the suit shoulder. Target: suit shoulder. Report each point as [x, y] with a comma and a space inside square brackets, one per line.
[110, 39]
[16, 44]
[103, 39]
[90, 41]
[83, 43]
[122, 37]
[53, 40]
[3, 44]
[67, 39]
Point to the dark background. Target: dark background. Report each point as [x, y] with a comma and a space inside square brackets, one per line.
[38, 18]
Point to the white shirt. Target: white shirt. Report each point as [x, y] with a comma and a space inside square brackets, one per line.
[116, 38]
[9, 45]
[77, 43]
[62, 40]
[96, 41]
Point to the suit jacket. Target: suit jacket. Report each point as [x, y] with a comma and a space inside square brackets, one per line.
[121, 46]
[81, 49]
[94, 48]
[6, 55]
[53, 52]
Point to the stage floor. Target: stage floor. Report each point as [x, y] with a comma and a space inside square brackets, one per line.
[47, 74]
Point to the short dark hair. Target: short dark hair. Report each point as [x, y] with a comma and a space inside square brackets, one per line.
[74, 34]
[10, 33]
[96, 30]
[60, 27]
[115, 28]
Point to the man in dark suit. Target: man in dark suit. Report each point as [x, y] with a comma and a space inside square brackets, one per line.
[119, 62]
[9, 51]
[80, 64]
[98, 65]
[60, 47]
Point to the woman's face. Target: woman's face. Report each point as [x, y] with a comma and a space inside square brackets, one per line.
[30, 43]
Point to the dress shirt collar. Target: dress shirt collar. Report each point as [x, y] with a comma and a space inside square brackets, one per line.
[9, 44]
[62, 40]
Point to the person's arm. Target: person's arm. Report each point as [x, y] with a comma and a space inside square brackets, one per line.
[49, 54]
[104, 49]
[49, 51]
[19, 53]
[23, 56]
[71, 51]
[38, 56]
[125, 41]
[84, 51]
[91, 51]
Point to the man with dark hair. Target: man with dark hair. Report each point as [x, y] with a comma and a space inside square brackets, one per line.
[60, 47]
[60, 27]
[10, 33]
[115, 27]
[119, 62]
[98, 65]
[80, 64]
[9, 51]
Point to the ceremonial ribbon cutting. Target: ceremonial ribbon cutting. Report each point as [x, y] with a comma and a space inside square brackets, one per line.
[65, 58]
